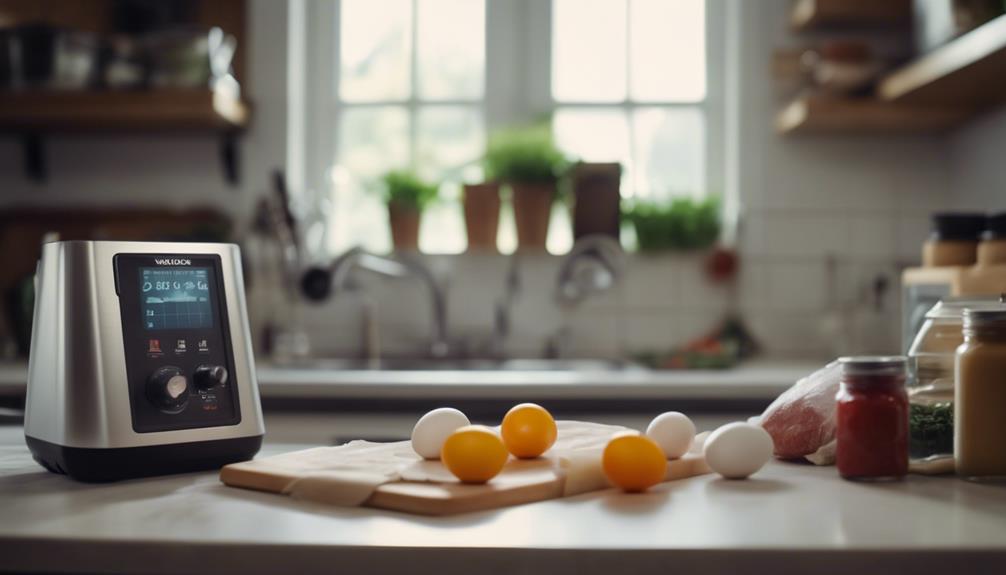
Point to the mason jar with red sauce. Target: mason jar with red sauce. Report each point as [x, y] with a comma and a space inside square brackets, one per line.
[872, 419]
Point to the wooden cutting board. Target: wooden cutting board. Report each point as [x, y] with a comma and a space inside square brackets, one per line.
[437, 492]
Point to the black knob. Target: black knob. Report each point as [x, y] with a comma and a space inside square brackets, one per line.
[316, 284]
[209, 376]
[168, 389]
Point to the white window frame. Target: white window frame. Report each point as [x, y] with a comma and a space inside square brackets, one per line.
[517, 86]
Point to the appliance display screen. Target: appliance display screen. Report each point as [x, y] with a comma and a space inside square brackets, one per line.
[176, 298]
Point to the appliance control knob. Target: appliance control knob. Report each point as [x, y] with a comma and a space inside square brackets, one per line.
[168, 389]
[209, 376]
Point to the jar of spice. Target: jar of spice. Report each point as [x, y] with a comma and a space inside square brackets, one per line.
[992, 248]
[931, 379]
[980, 397]
[953, 240]
[872, 418]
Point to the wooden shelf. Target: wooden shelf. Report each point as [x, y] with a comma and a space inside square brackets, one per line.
[969, 71]
[34, 114]
[817, 14]
[154, 110]
[829, 115]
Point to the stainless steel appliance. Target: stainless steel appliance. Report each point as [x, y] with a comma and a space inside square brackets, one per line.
[141, 361]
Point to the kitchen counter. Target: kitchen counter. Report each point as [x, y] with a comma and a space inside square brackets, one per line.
[789, 518]
[757, 381]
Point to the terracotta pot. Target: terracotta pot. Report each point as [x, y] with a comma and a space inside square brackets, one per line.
[532, 210]
[482, 215]
[596, 199]
[404, 220]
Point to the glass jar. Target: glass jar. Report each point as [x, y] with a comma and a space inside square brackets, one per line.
[872, 419]
[931, 378]
[953, 240]
[980, 398]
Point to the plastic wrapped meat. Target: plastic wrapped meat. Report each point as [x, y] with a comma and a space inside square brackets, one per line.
[801, 421]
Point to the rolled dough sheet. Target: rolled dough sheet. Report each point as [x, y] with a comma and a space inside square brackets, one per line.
[349, 474]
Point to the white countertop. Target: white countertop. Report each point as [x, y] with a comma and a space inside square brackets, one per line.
[761, 380]
[789, 518]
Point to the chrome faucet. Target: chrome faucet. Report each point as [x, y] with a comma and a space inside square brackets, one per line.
[594, 265]
[318, 283]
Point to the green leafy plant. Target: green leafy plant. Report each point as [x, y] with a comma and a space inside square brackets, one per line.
[406, 188]
[932, 429]
[524, 155]
[680, 224]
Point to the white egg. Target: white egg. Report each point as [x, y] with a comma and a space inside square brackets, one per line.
[433, 429]
[673, 432]
[738, 450]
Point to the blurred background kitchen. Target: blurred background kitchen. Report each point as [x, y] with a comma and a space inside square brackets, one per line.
[598, 203]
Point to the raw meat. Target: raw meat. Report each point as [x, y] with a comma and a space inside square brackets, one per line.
[801, 421]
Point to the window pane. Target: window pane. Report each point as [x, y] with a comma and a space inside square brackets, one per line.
[375, 46]
[451, 41]
[449, 139]
[669, 145]
[373, 140]
[588, 50]
[595, 135]
[667, 50]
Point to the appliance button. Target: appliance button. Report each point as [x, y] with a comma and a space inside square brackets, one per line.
[168, 389]
[210, 376]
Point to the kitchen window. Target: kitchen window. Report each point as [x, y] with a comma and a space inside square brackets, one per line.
[419, 83]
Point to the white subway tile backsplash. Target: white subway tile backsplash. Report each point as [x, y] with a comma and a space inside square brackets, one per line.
[650, 281]
[796, 234]
[797, 286]
[790, 335]
[912, 232]
[698, 292]
[874, 236]
[653, 330]
[752, 289]
[595, 334]
[751, 234]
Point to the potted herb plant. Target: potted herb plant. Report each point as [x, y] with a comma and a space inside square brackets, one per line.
[482, 215]
[406, 195]
[679, 224]
[596, 199]
[527, 160]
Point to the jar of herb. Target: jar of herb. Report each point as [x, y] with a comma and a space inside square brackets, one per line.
[931, 379]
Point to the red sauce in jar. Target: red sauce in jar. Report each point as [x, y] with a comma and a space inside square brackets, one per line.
[872, 413]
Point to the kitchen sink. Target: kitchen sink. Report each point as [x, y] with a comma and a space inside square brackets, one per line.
[419, 364]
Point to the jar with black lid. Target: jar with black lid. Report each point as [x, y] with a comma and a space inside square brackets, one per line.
[954, 239]
[992, 249]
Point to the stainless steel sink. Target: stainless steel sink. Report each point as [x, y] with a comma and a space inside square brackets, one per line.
[410, 364]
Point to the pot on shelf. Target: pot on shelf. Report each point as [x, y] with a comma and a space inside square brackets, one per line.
[532, 210]
[404, 221]
[482, 215]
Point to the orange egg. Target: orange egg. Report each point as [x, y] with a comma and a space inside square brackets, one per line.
[474, 454]
[633, 462]
[528, 430]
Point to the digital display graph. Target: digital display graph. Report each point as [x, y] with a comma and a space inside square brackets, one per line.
[175, 298]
